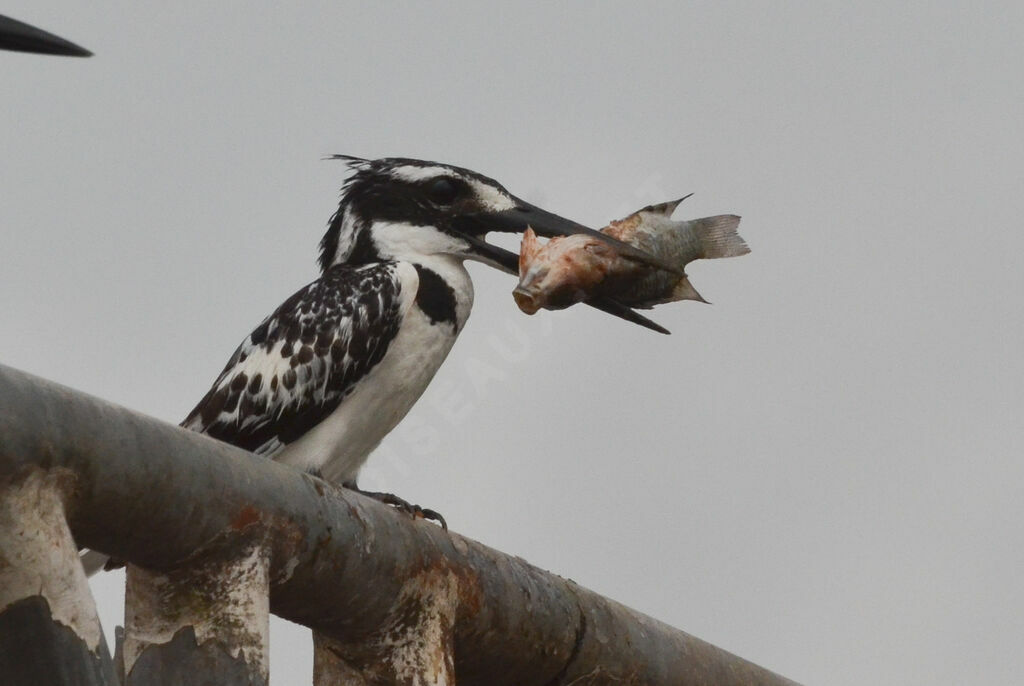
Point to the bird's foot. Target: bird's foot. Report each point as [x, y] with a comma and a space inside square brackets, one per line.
[415, 511]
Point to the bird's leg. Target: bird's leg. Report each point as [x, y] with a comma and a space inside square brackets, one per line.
[415, 511]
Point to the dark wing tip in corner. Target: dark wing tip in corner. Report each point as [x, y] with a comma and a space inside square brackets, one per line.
[21, 37]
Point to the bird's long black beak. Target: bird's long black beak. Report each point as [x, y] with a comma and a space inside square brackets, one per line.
[549, 225]
[21, 37]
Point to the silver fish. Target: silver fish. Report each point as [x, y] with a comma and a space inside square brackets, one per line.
[572, 269]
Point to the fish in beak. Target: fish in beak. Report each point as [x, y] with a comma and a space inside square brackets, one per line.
[474, 227]
[21, 37]
[578, 268]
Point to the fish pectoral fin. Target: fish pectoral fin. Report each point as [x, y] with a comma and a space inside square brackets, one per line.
[684, 290]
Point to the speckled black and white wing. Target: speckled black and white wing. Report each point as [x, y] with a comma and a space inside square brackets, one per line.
[297, 366]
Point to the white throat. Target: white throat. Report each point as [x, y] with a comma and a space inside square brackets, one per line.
[411, 243]
[433, 249]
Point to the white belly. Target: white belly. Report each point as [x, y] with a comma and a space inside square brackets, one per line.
[340, 444]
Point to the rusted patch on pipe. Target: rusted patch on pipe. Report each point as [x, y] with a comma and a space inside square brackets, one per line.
[245, 518]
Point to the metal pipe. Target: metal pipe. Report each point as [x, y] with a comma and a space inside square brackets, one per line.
[371, 580]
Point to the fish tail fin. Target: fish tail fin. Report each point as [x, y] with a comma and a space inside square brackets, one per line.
[718, 238]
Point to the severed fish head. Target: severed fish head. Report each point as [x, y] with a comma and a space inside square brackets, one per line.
[561, 272]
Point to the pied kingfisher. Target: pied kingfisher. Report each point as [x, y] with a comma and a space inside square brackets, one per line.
[331, 371]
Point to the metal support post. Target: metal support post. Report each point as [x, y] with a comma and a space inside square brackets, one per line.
[207, 622]
[415, 646]
[49, 630]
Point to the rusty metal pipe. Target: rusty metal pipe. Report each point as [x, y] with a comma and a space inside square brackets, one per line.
[397, 599]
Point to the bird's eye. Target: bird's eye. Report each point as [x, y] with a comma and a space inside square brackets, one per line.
[443, 191]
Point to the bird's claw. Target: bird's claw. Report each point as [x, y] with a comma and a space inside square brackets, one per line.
[418, 512]
[414, 511]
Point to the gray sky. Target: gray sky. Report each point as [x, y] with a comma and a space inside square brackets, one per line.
[821, 472]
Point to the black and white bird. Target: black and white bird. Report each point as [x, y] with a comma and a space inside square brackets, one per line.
[322, 380]
[336, 367]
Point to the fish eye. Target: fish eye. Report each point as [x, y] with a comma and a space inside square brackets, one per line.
[442, 191]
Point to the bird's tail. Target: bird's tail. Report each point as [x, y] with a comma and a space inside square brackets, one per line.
[93, 561]
[717, 236]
